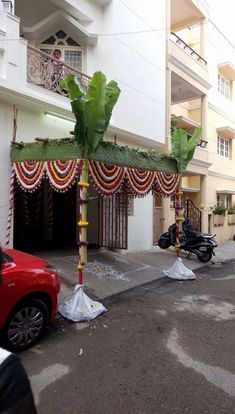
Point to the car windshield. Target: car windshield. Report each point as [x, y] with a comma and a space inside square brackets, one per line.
[6, 258]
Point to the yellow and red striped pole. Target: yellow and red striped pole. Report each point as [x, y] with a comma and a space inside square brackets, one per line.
[83, 223]
[11, 206]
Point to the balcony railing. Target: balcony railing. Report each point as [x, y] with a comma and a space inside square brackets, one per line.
[188, 49]
[45, 71]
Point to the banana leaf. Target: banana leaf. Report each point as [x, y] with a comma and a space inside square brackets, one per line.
[92, 109]
[179, 142]
[183, 148]
[192, 143]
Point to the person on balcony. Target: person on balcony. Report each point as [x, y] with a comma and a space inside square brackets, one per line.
[58, 70]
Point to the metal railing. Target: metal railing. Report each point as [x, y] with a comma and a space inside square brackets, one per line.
[176, 39]
[45, 71]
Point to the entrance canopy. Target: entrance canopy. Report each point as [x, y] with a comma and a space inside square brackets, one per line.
[112, 169]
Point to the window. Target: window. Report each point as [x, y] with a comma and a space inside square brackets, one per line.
[224, 86]
[73, 58]
[71, 51]
[5, 258]
[223, 200]
[223, 147]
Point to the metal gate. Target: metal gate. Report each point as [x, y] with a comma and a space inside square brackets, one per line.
[192, 213]
[113, 220]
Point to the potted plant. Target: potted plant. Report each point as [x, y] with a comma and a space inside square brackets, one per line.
[219, 215]
[231, 215]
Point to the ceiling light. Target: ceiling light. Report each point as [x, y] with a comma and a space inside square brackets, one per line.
[61, 117]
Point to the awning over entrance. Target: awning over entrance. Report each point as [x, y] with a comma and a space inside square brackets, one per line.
[112, 169]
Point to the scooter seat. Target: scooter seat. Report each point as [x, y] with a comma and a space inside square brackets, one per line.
[206, 235]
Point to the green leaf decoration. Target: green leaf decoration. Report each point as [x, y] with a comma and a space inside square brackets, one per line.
[192, 143]
[112, 93]
[95, 110]
[92, 109]
[183, 147]
[179, 149]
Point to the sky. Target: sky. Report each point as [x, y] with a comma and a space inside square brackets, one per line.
[223, 15]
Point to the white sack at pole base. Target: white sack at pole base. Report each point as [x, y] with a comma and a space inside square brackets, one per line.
[80, 307]
[179, 272]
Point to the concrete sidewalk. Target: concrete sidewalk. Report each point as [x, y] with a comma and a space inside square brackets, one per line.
[109, 272]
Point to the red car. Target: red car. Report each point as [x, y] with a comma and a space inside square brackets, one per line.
[29, 289]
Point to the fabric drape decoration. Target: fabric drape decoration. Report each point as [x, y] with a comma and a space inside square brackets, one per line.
[107, 179]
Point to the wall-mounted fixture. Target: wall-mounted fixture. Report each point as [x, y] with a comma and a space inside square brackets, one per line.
[61, 117]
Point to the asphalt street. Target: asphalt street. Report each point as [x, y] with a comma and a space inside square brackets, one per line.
[163, 347]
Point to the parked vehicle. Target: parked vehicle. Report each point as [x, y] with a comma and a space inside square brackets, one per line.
[192, 241]
[29, 289]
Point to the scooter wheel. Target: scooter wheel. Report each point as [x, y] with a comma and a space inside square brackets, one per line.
[206, 257]
[163, 243]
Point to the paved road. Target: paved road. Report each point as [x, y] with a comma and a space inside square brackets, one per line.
[166, 347]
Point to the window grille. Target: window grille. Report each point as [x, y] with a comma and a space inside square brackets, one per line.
[223, 147]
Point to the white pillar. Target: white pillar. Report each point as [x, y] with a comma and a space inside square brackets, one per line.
[204, 120]
[204, 202]
[203, 39]
[166, 213]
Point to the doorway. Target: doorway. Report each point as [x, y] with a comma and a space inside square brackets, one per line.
[157, 218]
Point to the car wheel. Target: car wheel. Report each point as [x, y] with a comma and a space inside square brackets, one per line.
[26, 324]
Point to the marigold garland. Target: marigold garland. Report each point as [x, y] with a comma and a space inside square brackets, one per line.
[107, 179]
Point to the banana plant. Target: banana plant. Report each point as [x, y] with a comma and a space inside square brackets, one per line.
[92, 109]
[183, 149]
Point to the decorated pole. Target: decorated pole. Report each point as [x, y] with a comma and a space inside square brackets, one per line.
[92, 109]
[178, 218]
[11, 206]
[183, 150]
[83, 223]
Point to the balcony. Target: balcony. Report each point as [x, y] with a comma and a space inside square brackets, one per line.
[188, 64]
[191, 52]
[185, 13]
[45, 71]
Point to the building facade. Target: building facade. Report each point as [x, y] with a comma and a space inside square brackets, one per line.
[200, 93]
[124, 39]
[174, 68]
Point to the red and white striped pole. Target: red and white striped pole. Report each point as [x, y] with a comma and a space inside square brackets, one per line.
[11, 206]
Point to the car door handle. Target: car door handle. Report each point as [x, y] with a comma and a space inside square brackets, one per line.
[11, 285]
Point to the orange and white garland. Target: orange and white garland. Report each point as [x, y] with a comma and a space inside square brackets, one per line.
[107, 179]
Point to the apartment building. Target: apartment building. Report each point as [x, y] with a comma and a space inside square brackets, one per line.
[200, 93]
[126, 39]
[174, 68]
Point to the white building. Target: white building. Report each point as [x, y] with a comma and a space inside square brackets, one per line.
[126, 39]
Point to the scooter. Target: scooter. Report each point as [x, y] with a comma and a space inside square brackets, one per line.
[191, 241]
